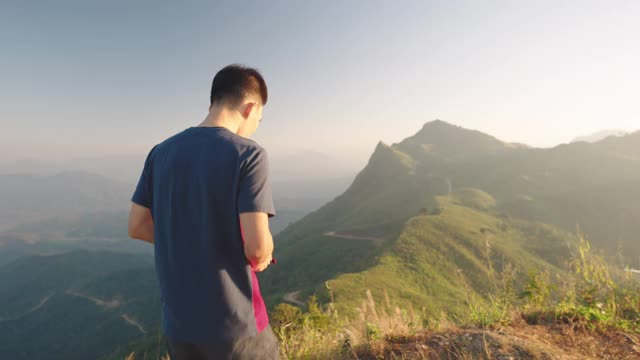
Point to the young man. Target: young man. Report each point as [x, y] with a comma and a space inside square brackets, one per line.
[204, 200]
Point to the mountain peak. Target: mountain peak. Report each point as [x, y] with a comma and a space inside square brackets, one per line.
[381, 146]
[439, 123]
[441, 127]
[446, 140]
[386, 161]
[387, 154]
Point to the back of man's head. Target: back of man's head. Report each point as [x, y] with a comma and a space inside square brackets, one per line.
[236, 83]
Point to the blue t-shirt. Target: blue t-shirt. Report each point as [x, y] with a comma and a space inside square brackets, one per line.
[195, 184]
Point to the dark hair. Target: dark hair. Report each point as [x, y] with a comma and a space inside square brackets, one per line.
[235, 82]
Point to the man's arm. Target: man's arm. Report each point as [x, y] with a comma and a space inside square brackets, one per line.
[258, 242]
[140, 219]
[255, 206]
[140, 223]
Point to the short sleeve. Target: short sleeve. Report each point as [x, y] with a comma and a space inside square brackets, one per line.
[143, 194]
[254, 193]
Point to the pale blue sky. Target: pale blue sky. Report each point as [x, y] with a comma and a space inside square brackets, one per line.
[87, 78]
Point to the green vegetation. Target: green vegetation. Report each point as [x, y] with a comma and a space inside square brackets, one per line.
[426, 267]
[589, 300]
[475, 199]
[73, 305]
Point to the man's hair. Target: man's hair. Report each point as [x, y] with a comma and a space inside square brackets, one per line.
[235, 83]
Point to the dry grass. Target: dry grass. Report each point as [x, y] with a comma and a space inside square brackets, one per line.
[527, 342]
[388, 332]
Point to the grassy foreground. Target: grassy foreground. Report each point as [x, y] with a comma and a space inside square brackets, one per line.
[593, 313]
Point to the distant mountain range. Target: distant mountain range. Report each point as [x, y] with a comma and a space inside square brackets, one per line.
[301, 166]
[600, 135]
[124, 168]
[28, 198]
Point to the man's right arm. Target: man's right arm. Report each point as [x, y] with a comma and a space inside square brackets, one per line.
[255, 207]
[258, 242]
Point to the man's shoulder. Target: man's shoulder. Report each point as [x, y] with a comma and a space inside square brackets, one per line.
[171, 139]
[245, 147]
[245, 143]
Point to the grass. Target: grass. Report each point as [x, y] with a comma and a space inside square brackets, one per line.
[436, 253]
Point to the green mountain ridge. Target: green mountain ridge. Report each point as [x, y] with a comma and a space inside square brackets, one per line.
[572, 185]
[464, 242]
[76, 305]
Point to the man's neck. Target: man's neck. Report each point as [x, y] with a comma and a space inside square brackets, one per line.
[220, 118]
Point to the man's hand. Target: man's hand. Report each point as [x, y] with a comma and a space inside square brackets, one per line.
[261, 266]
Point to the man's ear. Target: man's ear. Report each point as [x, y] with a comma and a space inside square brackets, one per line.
[247, 110]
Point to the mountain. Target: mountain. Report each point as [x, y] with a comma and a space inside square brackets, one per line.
[29, 166]
[76, 305]
[462, 242]
[14, 247]
[30, 198]
[423, 208]
[600, 135]
[99, 225]
[124, 168]
[439, 140]
[286, 167]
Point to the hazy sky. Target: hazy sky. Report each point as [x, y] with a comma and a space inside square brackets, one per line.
[86, 78]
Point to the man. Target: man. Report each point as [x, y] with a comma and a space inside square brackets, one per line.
[204, 200]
